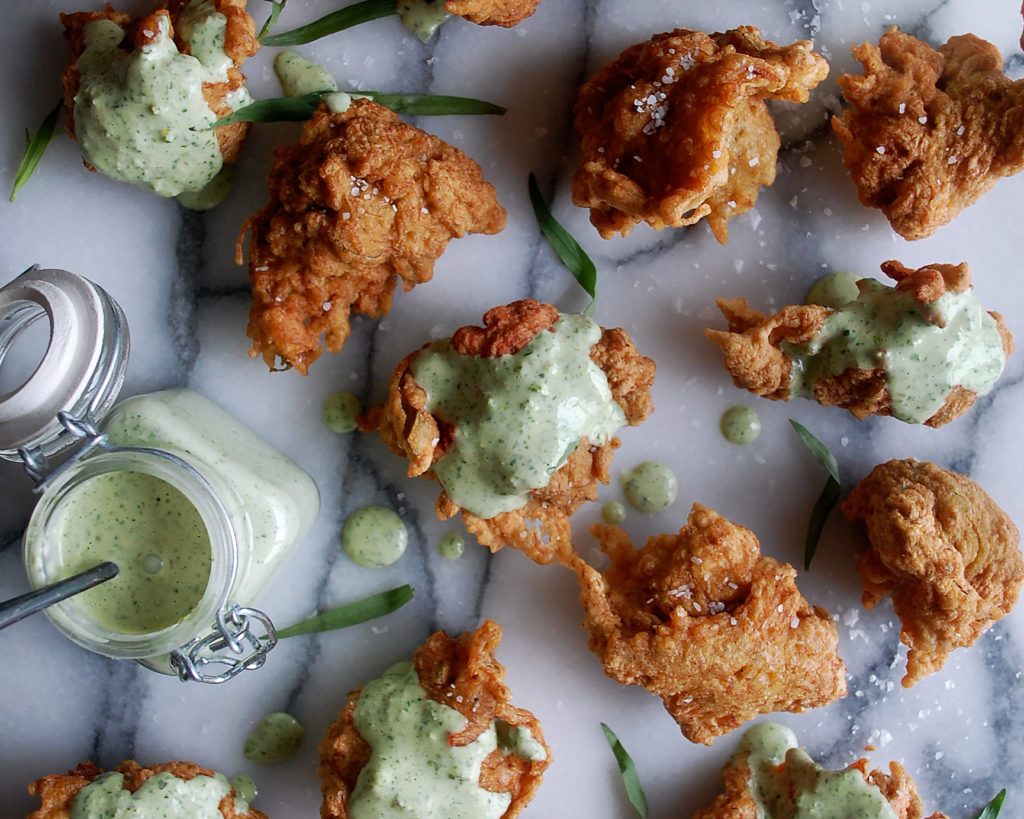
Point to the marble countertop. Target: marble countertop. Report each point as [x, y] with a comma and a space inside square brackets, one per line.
[957, 732]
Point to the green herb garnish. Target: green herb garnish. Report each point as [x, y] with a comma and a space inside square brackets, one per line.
[35, 147]
[359, 612]
[567, 248]
[275, 12]
[992, 809]
[829, 494]
[628, 770]
[298, 109]
[334, 22]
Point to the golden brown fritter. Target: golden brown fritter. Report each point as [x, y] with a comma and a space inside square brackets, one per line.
[362, 202]
[944, 551]
[239, 43]
[540, 529]
[928, 132]
[675, 129]
[706, 622]
[463, 674]
[504, 13]
[756, 358]
[58, 791]
[737, 802]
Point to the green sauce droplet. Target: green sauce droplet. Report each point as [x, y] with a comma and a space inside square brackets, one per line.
[650, 487]
[833, 290]
[740, 425]
[340, 412]
[613, 513]
[374, 536]
[245, 787]
[452, 546]
[276, 738]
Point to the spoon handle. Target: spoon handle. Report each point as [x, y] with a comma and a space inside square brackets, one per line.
[17, 608]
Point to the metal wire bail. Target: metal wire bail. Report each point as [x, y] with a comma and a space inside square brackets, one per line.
[234, 633]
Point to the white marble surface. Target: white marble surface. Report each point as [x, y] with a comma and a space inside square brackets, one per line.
[173, 272]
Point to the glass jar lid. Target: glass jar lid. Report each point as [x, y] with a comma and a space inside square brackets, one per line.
[81, 371]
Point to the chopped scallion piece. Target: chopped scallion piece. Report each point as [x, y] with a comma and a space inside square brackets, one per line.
[565, 246]
[275, 12]
[35, 147]
[829, 494]
[359, 612]
[628, 770]
[992, 808]
[334, 22]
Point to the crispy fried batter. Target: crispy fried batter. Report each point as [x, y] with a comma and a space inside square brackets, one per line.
[239, 43]
[504, 13]
[737, 802]
[540, 529]
[943, 549]
[929, 132]
[757, 361]
[363, 201]
[704, 621]
[58, 791]
[463, 674]
[675, 129]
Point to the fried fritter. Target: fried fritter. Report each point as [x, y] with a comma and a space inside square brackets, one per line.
[540, 529]
[460, 673]
[675, 129]
[929, 132]
[362, 201]
[504, 13]
[239, 43]
[738, 800]
[706, 622]
[944, 551]
[810, 350]
[58, 791]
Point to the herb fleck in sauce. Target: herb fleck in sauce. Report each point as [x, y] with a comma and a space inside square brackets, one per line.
[650, 487]
[374, 536]
[517, 417]
[740, 425]
[276, 738]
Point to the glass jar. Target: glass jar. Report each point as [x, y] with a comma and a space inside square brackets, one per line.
[196, 509]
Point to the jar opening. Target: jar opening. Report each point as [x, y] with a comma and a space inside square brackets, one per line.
[23, 347]
[164, 527]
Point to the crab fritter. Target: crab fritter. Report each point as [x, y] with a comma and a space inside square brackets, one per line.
[928, 132]
[453, 702]
[363, 201]
[59, 791]
[770, 775]
[158, 134]
[506, 13]
[676, 130]
[516, 421]
[706, 622]
[922, 351]
[945, 552]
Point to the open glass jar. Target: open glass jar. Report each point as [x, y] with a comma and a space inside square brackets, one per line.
[196, 510]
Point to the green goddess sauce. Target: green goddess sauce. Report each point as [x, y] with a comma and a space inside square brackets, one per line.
[834, 290]
[740, 425]
[650, 487]
[787, 784]
[374, 537]
[517, 417]
[276, 738]
[422, 17]
[298, 76]
[162, 796]
[340, 412]
[452, 546]
[140, 116]
[155, 536]
[413, 770]
[886, 328]
[613, 513]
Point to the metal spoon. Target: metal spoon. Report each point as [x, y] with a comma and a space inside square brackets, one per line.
[17, 608]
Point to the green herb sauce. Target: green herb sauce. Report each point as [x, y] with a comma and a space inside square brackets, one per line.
[276, 738]
[833, 290]
[923, 361]
[374, 536]
[155, 536]
[517, 417]
[340, 412]
[140, 116]
[740, 425]
[162, 796]
[452, 546]
[299, 76]
[413, 770]
[787, 784]
[245, 788]
[613, 513]
[215, 192]
[650, 487]
[422, 17]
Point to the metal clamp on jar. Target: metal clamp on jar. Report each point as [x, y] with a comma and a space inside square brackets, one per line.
[195, 509]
